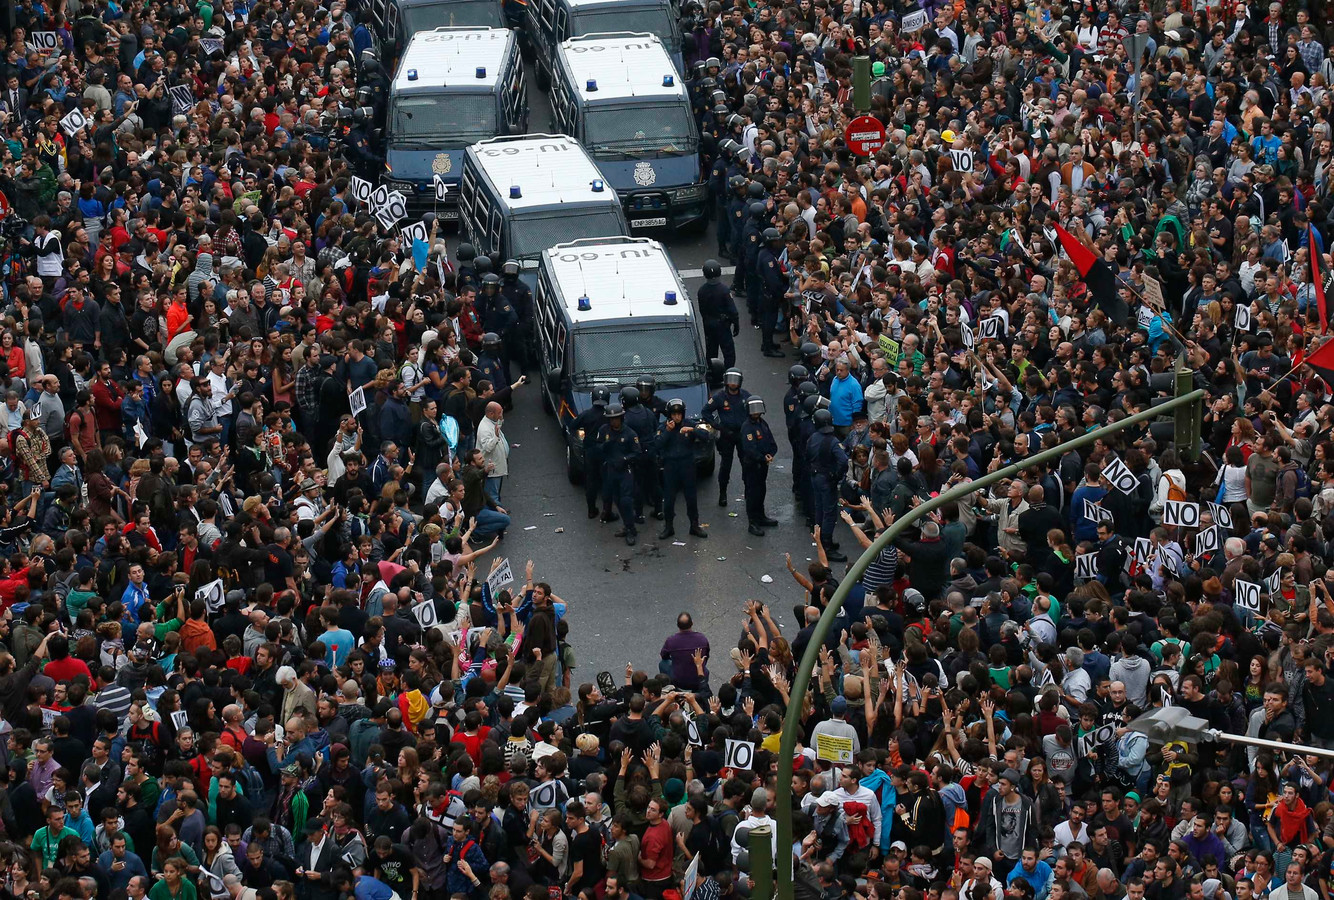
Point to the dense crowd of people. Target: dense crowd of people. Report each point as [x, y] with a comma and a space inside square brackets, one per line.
[256, 645]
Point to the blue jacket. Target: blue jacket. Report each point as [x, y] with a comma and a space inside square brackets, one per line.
[455, 882]
[845, 398]
[879, 782]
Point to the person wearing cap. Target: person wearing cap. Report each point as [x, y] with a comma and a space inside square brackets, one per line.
[1008, 825]
[830, 828]
[316, 859]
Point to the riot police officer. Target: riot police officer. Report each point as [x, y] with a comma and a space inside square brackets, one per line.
[737, 209]
[640, 419]
[498, 315]
[357, 146]
[758, 449]
[747, 253]
[676, 441]
[773, 286]
[810, 402]
[522, 339]
[490, 361]
[585, 428]
[796, 377]
[727, 409]
[829, 463]
[466, 273]
[620, 448]
[647, 386]
[718, 310]
[718, 185]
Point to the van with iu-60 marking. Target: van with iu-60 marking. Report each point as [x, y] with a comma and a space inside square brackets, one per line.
[453, 87]
[523, 194]
[619, 94]
[548, 23]
[608, 313]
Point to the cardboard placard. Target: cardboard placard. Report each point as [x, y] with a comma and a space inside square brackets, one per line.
[740, 754]
[1118, 474]
[1181, 513]
[1247, 595]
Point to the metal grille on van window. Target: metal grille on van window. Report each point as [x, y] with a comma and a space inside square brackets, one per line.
[639, 350]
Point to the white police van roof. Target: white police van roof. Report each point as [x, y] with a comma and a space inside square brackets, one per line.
[453, 57]
[622, 278]
[621, 64]
[548, 170]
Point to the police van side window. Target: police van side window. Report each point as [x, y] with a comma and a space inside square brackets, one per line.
[468, 202]
[548, 15]
[547, 322]
[493, 235]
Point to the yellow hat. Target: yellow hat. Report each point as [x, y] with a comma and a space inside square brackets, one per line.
[947, 136]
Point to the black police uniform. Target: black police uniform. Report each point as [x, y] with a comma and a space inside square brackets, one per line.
[491, 366]
[718, 184]
[644, 422]
[801, 465]
[500, 317]
[677, 452]
[792, 419]
[773, 277]
[728, 410]
[591, 421]
[620, 450]
[750, 261]
[828, 465]
[721, 320]
[757, 444]
[521, 339]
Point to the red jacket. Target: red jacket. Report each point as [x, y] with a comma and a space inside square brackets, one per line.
[107, 398]
[10, 586]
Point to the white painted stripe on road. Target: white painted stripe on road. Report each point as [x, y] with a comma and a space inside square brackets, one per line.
[699, 273]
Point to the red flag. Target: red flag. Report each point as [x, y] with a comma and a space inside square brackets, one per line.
[1322, 360]
[1079, 254]
[1318, 272]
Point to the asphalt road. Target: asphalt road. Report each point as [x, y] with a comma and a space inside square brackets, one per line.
[624, 600]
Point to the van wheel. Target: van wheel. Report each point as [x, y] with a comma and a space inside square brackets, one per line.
[542, 78]
[572, 471]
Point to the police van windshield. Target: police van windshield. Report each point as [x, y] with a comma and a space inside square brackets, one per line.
[453, 120]
[455, 14]
[669, 353]
[655, 20]
[658, 127]
[531, 234]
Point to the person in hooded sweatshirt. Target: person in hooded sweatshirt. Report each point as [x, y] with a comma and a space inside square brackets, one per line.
[1132, 670]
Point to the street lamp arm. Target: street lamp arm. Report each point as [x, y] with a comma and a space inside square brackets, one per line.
[800, 683]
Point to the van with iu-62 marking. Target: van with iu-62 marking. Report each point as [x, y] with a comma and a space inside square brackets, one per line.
[521, 195]
[608, 313]
[453, 87]
[394, 22]
[619, 94]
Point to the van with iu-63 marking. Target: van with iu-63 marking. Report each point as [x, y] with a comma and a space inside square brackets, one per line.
[549, 23]
[619, 94]
[453, 87]
[608, 313]
[521, 195]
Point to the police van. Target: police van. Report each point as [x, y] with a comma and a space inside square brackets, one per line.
[548, 23]
[520, 195]
[619, 94]
[454, 86]
[610, 311]
[394, 22]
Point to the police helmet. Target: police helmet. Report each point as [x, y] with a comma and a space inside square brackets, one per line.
[465, 253]
[708, 83]
[494, 256]
[491, 280]
[676, 405]
[481, 265]
[601, 396]
[629, 396]
[810, 405]
[735, 121]
[511, 268]
[490, 339]
[824, 421]
[772, 234]
[712, 269]
[713, 62]
[755, 190]
[359, 116]
[807, 389]
[732, 378]
[697, 70]
[797, 374]
[810, 350]
[615, 411]
[719, 98]
[736, 182]
[720, 111]
[646, 385]
[755, 406]
[758, 209]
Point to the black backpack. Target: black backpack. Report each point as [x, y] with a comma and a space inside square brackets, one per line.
[718, 850]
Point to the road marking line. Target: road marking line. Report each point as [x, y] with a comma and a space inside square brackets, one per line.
[699, 273]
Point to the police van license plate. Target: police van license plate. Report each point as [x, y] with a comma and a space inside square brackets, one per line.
[649, 223]
[449, 215]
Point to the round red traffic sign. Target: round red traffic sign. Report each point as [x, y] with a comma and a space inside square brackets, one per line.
[864, 135]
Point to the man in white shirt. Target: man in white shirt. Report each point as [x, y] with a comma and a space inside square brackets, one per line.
[849, 788]
[1072, 829]
[757, 815]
